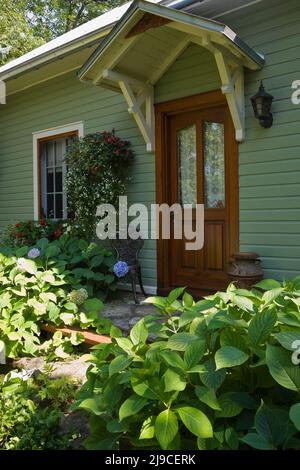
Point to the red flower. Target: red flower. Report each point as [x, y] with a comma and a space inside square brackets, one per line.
[109, 140]
[117, 152]
[20, 235]
[57, 234]
[43, 222]
[18, 225]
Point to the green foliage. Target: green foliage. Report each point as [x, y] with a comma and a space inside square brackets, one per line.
[50, 18]
[217, 375]
[16, 35]
[31, 411]
[98, 173]
[60, 286]
[30, 232]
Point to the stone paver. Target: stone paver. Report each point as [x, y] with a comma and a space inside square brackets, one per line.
[124, 313]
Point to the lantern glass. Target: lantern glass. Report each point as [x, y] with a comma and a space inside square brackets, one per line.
[262, 103]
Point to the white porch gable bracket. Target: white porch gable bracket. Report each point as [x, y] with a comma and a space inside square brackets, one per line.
[231, 73]
[136, 101]
[233, 88]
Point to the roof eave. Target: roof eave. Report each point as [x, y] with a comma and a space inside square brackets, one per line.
[160, 10]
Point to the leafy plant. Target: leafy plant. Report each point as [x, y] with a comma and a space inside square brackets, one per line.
[58, 283]
[217, 375]
[98, 172]
[31, 411]
[30, 232]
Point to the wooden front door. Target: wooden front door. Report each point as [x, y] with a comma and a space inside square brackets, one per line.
[197, 164]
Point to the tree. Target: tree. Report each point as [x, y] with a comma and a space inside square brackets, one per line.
[51, 18]
[16, 35]
[26, 24]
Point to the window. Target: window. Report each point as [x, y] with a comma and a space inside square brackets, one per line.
[53, 198]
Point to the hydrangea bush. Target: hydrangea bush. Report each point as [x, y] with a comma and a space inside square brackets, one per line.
[60, 283]
[222, 373]
[98, 172]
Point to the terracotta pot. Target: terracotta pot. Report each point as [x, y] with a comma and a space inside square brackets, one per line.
[245, 270]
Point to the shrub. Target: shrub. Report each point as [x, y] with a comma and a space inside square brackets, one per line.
[30, 231]
[218, 375]
[54, 282]
[31, 411]
[98, 172]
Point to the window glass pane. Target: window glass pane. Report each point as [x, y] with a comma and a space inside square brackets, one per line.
[50, 154]
[53, 172]
[214, 165]
[186, 151]
[58, 180]
[50, 206]
[58, 206]
[50, 180]
[59, 152]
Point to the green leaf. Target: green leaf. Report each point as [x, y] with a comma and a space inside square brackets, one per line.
[194, 353]
[187, 300]
[125, 344]
[175, 294]
[173, 381]
[173, 359]
[52, 251]
[146, 388]
[131, 406]
[271, 295]
[96, 261]
[295, 415]
[139, 333]
[287, 338]
[229, 407]
[256, 441]
[282, 369]
[261, 326]
[270, 425]
[93, 305]
[211, 377]
[229, 356]
[91, 405]
[195, 421]
[208, 397]
[267, 284]
[118, 364]
[166, 428]
[230, 337]
[180, 341]
[232, 439]
[147, 429]
[242, 302]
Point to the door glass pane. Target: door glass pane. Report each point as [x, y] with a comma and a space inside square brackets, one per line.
[187, 166]
[214, 165]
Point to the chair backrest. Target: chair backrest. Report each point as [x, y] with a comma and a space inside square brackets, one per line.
[128, 250]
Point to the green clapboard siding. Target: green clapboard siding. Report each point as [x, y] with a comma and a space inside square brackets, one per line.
[269, 165]
[269, 158]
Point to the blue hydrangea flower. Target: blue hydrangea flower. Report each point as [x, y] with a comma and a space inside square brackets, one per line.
[121, 269]
[34, 253]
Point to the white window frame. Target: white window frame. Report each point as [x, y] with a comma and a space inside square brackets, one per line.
[48, 133]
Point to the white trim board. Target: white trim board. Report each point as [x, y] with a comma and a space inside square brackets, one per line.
[74, 126]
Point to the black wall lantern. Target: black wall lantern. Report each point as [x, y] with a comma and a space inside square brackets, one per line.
[262, 103]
